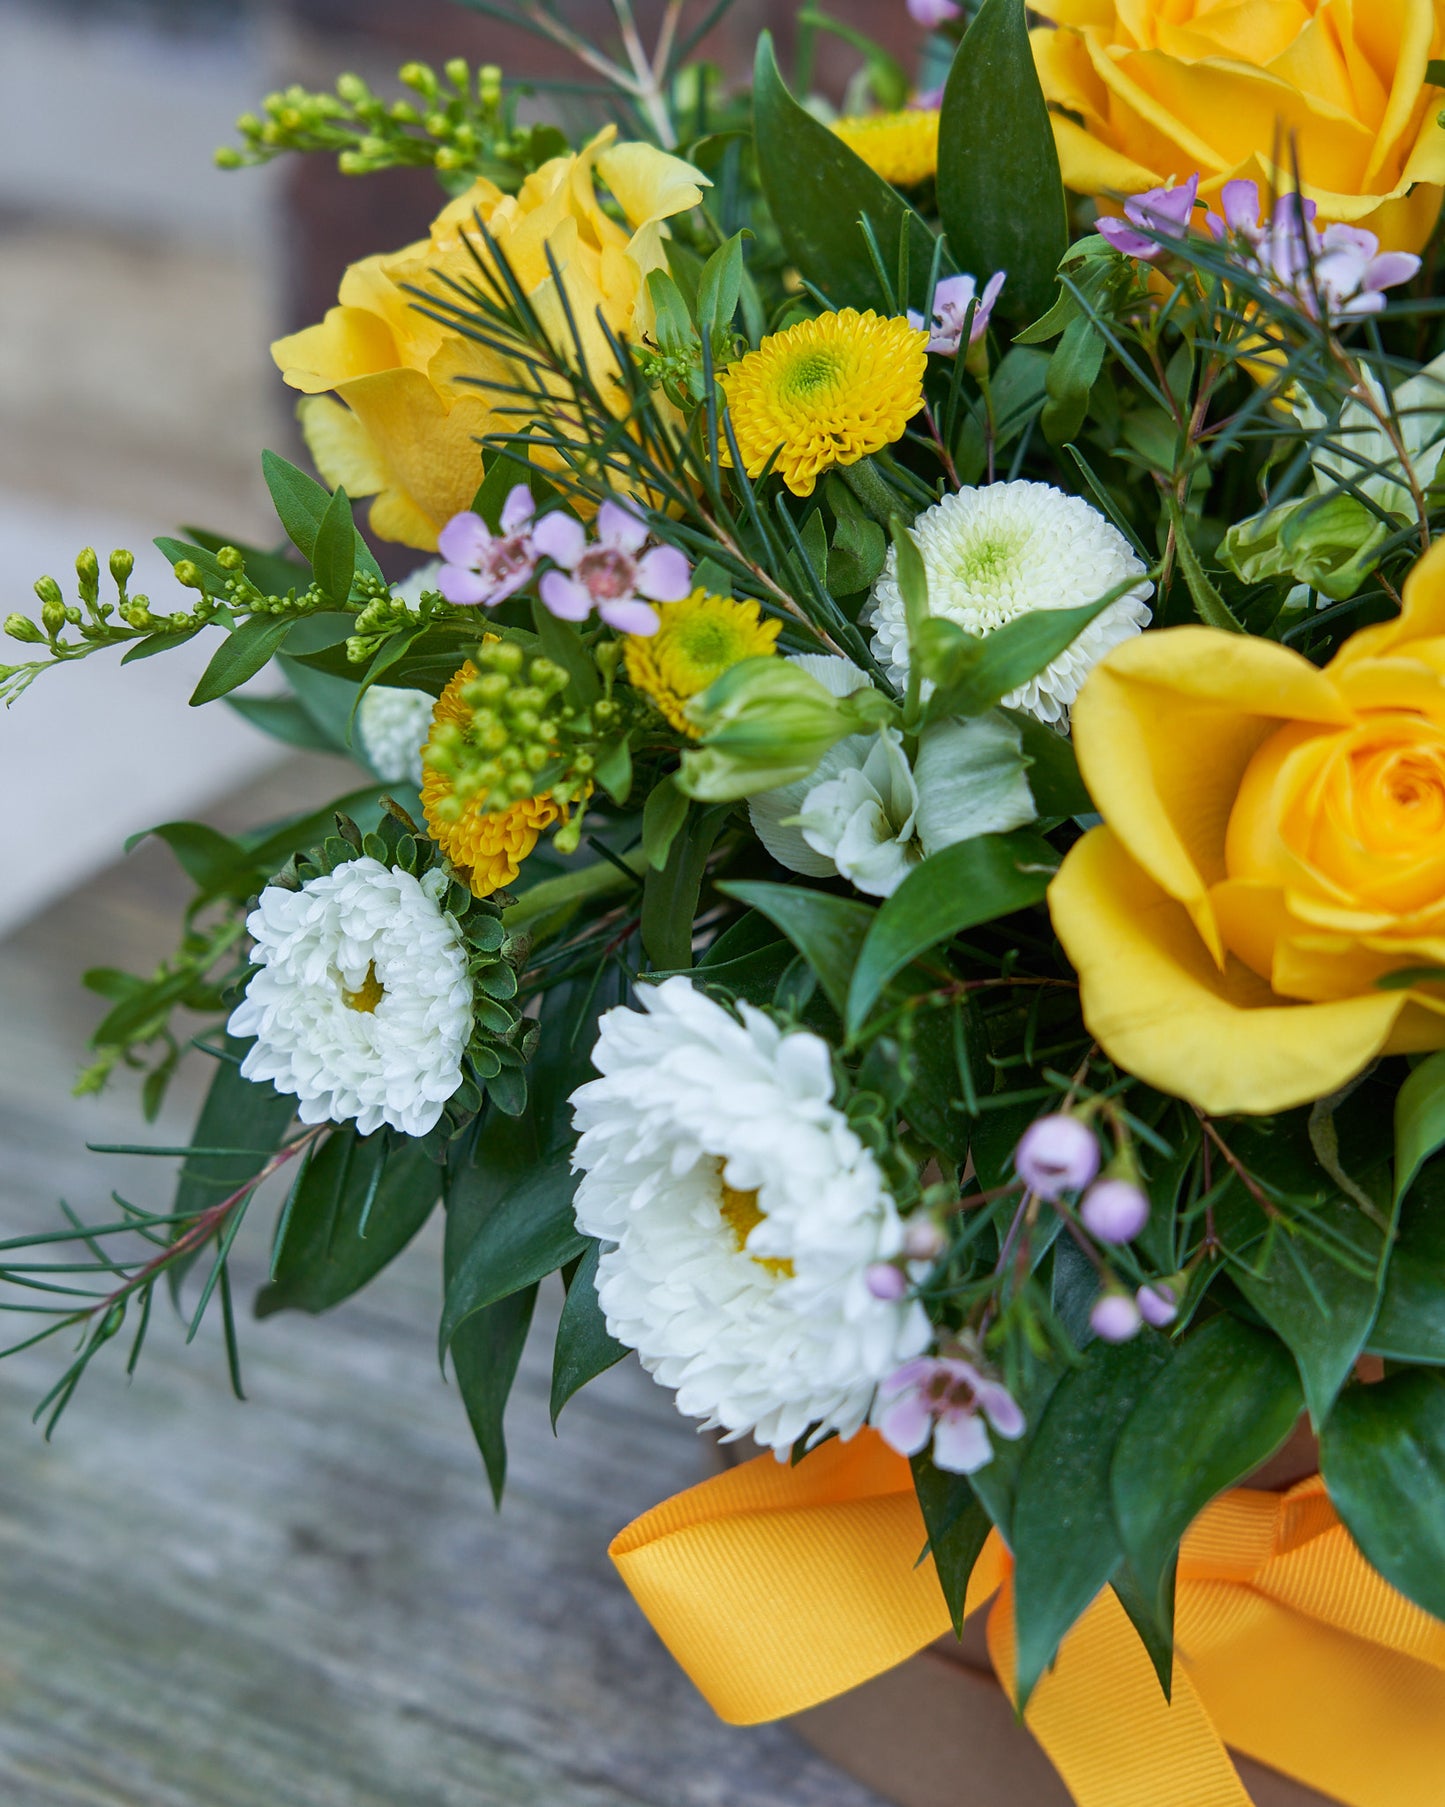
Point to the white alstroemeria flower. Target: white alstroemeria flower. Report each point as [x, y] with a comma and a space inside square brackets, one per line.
[866, 815]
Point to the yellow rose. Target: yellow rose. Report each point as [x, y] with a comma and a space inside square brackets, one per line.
[413, 413]
[1163, 88]
[1273, 848]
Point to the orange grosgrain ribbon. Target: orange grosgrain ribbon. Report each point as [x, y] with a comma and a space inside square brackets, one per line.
[777, 1588]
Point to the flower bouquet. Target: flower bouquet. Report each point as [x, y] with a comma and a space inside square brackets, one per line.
[900, 848]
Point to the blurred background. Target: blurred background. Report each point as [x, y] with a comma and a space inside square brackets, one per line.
[306, 1600]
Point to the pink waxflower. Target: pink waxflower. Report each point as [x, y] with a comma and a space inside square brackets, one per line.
[609, 575]
[485, 567]
[1115, 1210]
[930, 14]
[1341, 270]
[1057, 1154]
[946, 1399]
[1160, 213]
[1115, 1317]
[952, 299]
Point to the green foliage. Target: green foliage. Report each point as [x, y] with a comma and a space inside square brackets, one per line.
[958, 1528]
[584, 1349]
[999, 190]
[828, 931]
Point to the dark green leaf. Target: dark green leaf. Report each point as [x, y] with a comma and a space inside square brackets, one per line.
[1383, 1458]
[560, 642]
[284, 719]
[1419, 1121]
[957, 1527]
[1411, 1323]
[1073, 370]
[301, 504]
[241, 655]
[973, 675]
[1315, 1303]
[358, 1207]
[526, 1234]
[1053, 771]
[957, 888]
[827, 931]
[1065, 1542]
[670, 893]
[1209, 605]
[818, 190]
[208, 857]
[584, 1349]
[663, 815]
[333, 556]
[1225, 1404]
[999, 189]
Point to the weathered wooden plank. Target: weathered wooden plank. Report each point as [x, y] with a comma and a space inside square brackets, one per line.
[307, 1600]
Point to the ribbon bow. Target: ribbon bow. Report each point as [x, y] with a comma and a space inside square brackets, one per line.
[776, 1588]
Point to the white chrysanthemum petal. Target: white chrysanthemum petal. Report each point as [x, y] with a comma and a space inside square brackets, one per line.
[393, 726]
[392, 1056]
[689, 1100]
[997, 553]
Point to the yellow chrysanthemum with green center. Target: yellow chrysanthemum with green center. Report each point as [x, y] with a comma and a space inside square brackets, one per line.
[900, 147]
[487, 847]
[825, 392]
[698, 639]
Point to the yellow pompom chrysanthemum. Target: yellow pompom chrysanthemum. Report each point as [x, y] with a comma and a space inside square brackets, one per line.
[825, 392]
[487, 847]
[900, 147]
[699, 639]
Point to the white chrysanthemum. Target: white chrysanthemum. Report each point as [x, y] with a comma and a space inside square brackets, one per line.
[393, 725]
[362, 1005]
[996, 553]
[739, 1215]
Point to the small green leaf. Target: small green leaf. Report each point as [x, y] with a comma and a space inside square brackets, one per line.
[359, 1205]
[1073, 370]
[1419, 1121]
[974, 674]
[670, 892]
[560, 642]
[301, 504]
[1209, 605]
[613, 770]
[955, 889]
[818, 190]
[827, 931]
[333, 555]
[1000, 193]
[958, 1528]
[1411, 1322]
[1224, 1405]
[284, 719]
[1383, 1459]
[584, 1349]
[1065, 1542]
[720, 286]
[663, 815]
[241, 655]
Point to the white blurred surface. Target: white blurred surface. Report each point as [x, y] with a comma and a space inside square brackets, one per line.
[94, 751]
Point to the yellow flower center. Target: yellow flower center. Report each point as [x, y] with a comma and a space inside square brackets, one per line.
[367, 995]
[813, 371]
[698, 639]
[742, 1214]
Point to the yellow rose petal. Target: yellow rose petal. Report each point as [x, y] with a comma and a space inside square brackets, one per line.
[1159, 1007]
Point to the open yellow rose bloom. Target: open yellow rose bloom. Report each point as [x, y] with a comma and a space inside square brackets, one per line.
[1162, 88]
[413, 411]
[1273, 848]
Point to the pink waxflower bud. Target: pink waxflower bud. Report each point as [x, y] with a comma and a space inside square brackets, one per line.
[932, 13]
[1114, 1210]
[1115, 1317]
[886, 1282]
[1157, 1304]
[923, 1240]
[1057, 1154]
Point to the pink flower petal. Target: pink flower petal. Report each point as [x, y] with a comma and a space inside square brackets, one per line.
[905, 1425]
[621, 527]
[1390, 268]
[560, 538]
[565, 597]
[960, 1443]
[464, 540]
[1001, 1409]
[462, 586]
[664, 575]
[629, 616]
[518, 509]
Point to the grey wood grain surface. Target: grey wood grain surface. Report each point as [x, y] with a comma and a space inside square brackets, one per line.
[307, 1600]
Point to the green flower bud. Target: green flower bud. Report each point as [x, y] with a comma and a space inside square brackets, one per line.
[416, 76]
[458, 72]
[230, 558]
[352, 163]
[352, 89]
[87, 570]
[122, 563]
[228, 157]
[49, 591]
[20, 627]
[501, 655]
[489, 85]
[763, 723]
[188, 574]
[54, 617]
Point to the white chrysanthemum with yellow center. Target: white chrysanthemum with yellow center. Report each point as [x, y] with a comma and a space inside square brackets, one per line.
[997, 553]
[739, 1214]
[361, 1004]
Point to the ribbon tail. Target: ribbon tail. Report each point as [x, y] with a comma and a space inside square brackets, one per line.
[1170, 1755]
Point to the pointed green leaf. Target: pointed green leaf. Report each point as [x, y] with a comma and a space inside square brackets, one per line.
[955, 889]
[584, 1349]
[1000, 193]
[827, 931]
[241, 655]
[333, 556]
[1419, 1121]
[528, 1233]
[958, 1528]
